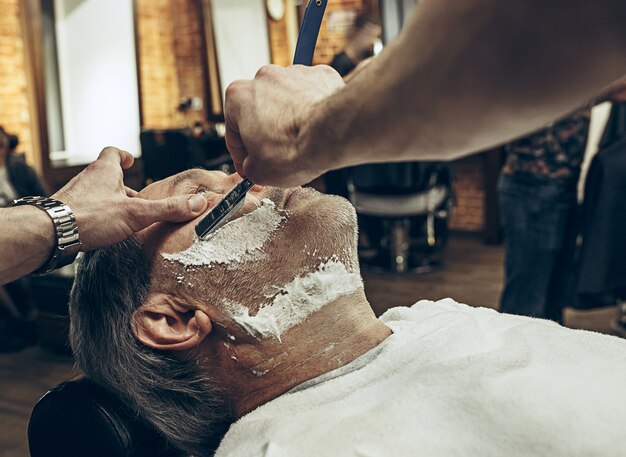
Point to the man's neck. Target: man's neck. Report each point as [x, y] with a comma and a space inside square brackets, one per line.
[257, 371]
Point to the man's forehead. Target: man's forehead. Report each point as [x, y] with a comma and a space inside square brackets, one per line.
[171, 185]
[186, 177]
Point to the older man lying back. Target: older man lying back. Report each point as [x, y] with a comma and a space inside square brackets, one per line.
[264, 333]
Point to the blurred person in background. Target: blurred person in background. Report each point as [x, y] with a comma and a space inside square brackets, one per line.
[601, 265]
[539, 211]
[359, 47]
[17, 179]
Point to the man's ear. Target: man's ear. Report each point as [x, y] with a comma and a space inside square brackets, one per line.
[162, 323]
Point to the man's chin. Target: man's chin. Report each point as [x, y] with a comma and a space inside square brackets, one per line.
[305, 195]
[332, 217]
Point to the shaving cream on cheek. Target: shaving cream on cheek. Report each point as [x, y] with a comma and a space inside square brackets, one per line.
[238, 241]
[297, 300]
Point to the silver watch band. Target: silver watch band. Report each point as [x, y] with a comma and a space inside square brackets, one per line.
[68, 243]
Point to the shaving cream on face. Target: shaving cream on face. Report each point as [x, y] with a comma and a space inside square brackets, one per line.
[238, 241]
[297, 300]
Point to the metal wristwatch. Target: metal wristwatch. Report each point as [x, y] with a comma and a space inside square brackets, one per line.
[67, 244]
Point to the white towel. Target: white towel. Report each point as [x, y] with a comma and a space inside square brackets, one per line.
[456, 381]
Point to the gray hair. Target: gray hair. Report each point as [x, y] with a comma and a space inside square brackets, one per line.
[186, 406]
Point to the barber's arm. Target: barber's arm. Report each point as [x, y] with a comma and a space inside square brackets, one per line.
[105, 211]
[462, 76]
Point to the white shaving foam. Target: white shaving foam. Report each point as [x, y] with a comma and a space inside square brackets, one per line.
[238, 241]
[297, 300]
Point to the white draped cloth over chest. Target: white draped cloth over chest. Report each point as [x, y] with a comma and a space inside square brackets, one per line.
[454, 380]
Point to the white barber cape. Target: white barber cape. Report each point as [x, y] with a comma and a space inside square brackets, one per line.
[454, 380]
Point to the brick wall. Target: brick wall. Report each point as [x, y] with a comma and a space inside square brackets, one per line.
[468, 213]
[189, 50]
[171, 66]
[14, 102]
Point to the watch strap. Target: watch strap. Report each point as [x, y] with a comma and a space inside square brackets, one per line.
[67, 242]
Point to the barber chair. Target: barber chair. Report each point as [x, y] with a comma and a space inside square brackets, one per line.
[167, 152]
[51, 294]
[209, 151]
[164, 152]
[79, 419]
[403, 214]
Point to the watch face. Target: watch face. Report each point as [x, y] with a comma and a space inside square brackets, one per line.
[276, 9]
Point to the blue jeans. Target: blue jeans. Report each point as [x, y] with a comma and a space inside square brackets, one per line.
[540, 230]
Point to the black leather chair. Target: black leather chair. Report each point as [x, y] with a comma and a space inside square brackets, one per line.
[79, 419]
[403, 211]
[165, 152]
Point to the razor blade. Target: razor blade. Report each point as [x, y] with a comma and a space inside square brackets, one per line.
[224, 210]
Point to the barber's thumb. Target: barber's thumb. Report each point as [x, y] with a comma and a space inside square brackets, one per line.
[196, 204]
[179, 209]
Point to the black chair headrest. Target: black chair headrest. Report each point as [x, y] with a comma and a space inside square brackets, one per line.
[79, 418]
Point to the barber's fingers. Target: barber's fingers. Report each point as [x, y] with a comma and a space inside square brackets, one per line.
[233, 111]
[142, 213]
[236, 148]
[113, 154]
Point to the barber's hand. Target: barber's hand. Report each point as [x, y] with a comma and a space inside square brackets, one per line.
[107, 212]
[265, 116]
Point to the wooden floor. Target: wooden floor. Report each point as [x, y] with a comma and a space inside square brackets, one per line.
[24, 377]
[472, 274]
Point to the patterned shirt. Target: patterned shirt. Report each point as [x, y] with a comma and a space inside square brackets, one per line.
[553, 153]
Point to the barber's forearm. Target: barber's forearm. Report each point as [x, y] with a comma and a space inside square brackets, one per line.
[464, 76]
[26, 241]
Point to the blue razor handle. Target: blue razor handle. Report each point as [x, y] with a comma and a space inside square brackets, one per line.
[305, 48]
[309, 30]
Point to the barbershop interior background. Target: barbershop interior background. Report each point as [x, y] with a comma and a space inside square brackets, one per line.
[149, 76]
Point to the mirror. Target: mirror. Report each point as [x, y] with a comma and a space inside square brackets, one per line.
[90, 83]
